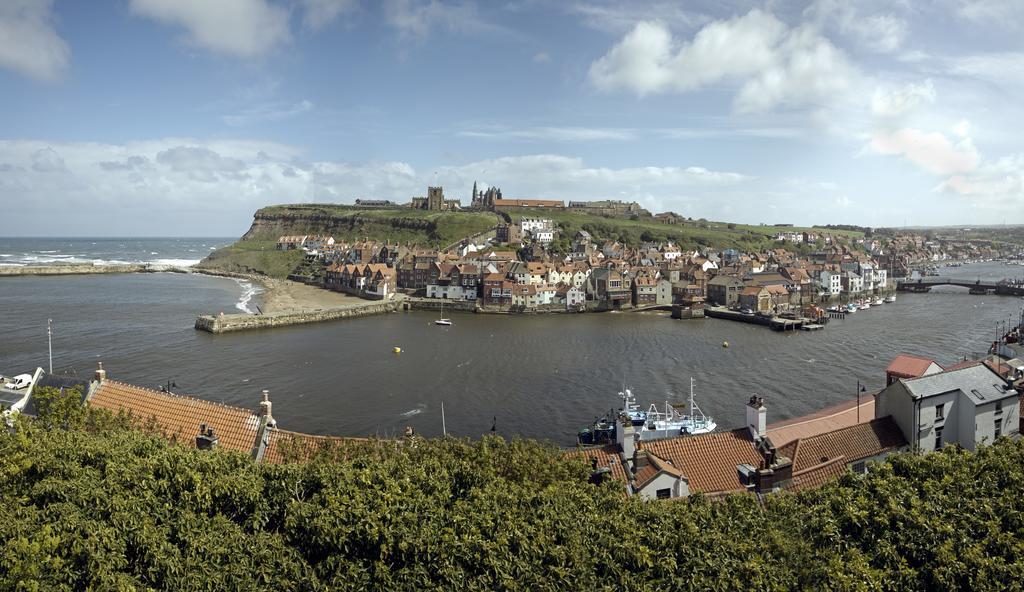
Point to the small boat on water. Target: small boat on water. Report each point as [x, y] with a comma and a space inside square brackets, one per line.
[877, 301]
[851, 307]
[442, 320]
[652, 424]
[890, 298]
[864, 305]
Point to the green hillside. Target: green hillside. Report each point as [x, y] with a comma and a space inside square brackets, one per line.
[88, 504]
[255, 252]
[687, 233]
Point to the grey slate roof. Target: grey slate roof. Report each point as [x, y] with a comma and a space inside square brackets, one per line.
[978, 383]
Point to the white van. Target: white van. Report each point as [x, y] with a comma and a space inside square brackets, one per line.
[19, 382]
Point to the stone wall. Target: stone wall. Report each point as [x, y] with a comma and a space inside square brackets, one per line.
[245, 322]
[89, 269]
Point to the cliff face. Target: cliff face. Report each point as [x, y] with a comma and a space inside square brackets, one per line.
[273, 222]
[256, 251]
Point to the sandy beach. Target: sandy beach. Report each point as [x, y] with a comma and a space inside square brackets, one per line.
[287, 296]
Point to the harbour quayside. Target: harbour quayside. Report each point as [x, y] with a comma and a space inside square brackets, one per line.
[652, 424]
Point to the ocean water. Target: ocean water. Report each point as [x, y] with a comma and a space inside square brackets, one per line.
[541, 376]
[100, 251]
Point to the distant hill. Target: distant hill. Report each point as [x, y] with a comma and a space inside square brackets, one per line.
[256, 251]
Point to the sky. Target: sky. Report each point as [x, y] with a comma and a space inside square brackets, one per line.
[182, 117]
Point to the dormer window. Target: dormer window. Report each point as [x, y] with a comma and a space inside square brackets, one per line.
[999, 407]
[940, 412]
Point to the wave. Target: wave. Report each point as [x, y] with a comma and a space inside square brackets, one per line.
[249, 290]
[412, 412]
[176, 262]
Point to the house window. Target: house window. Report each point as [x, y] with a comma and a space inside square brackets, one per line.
[999, 407]
[940, 412]
[664, 493]
[860, 467]
[938, 438]
[999, 428]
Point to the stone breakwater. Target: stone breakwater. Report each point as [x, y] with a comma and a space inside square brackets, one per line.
[244, 322]
[85, 269]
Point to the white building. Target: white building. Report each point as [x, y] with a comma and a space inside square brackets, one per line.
[534, 224]
[968, 406]
[852, 283]
[575, 297]
[831, 282]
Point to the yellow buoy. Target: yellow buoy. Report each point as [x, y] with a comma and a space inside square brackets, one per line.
[397, 350]
[725, 344]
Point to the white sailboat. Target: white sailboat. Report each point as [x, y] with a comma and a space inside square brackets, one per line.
[442, 320]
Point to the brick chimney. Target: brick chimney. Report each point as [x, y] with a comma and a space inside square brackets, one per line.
[625, 437]
[101, 374]
[757, 417]
[206, 440]
[265, 408]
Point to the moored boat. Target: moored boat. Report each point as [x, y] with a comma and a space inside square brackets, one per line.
[673, 420]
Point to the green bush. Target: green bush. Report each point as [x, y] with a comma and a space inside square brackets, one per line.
[92, 504]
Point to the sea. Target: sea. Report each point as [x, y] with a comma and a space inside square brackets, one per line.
[537, 376]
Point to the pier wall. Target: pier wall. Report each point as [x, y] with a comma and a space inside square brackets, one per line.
[246, 322]
[435, 304]
[88, 269]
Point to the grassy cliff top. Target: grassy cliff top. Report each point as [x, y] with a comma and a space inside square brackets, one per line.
[686, 233]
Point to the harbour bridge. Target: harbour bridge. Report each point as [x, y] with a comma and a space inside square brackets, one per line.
[979, 286]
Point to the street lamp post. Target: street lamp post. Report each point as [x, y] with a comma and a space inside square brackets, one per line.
[860, 389]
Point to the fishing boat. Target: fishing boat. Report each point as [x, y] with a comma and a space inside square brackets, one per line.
[653, 424]
[675, 421]
[442, 320]
[851, 307]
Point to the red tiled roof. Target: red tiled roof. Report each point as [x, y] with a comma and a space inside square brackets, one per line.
[607, 456]
[285, 446]
[824, 420]
[818, 475]
[852, 443]
[178, 417]
[708, 460]
[908, 366]
[654, 467]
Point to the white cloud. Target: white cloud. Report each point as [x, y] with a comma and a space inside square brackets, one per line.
[1000, 183]
[567, 178]
[415, 19]
[139, 185]
[243, 28]
[28, 42]
[1001, 13]
[998, 68]
[553, 134]
[317, 14]
[931, 151]
[268, 112]
[616, 17]
[878, 32]
[47, 160]
[895, 103]
[772, 64]
[541, 57]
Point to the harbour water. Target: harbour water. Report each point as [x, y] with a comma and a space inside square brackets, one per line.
[538, 376]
